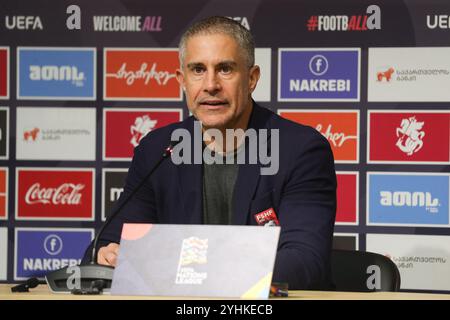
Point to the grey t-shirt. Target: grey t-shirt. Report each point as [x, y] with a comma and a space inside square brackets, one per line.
[218, 188]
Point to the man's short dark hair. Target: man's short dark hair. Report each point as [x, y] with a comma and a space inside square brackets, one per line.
[221, 25]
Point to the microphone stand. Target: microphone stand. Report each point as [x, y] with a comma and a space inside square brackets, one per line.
[92, 278]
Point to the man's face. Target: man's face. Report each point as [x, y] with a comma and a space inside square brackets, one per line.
[218, 82]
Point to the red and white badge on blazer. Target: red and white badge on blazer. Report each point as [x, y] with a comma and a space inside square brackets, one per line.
[55, 194]
[267, 217]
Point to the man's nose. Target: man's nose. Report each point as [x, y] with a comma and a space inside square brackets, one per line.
[212, 82]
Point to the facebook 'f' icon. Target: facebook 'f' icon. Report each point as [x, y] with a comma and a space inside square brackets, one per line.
[53, 244]
[318, 65]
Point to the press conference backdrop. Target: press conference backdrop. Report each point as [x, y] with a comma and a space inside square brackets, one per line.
[81, 82]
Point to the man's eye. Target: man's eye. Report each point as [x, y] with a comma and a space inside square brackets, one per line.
[225, 69]
[198, 70]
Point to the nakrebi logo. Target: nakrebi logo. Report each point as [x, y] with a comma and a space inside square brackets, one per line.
[371, 20]
[39, 251]
[127, 23]
[56, 73]
[412, 199]
[319, 74]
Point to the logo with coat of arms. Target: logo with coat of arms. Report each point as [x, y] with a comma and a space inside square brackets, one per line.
[410, 135]
[140, 128]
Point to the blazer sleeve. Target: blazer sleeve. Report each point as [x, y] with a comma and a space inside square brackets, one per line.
[307, 213]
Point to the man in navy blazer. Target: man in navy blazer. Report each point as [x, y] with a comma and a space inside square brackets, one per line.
[218, 75]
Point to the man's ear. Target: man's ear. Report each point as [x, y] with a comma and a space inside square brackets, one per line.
[255, 73]
[180, 78]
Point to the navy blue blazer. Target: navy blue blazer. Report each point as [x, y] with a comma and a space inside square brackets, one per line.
[303, 194]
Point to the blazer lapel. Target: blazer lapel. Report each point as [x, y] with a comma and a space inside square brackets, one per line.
[249, 174]
[247, 180]
[190, 177]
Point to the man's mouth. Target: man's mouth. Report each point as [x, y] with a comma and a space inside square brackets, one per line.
[214, 104]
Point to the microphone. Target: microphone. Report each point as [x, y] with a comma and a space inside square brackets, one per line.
[83, 279]
[24, 287]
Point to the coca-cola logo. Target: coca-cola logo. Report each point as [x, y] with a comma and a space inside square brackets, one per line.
[56, 194]
[65, 194]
